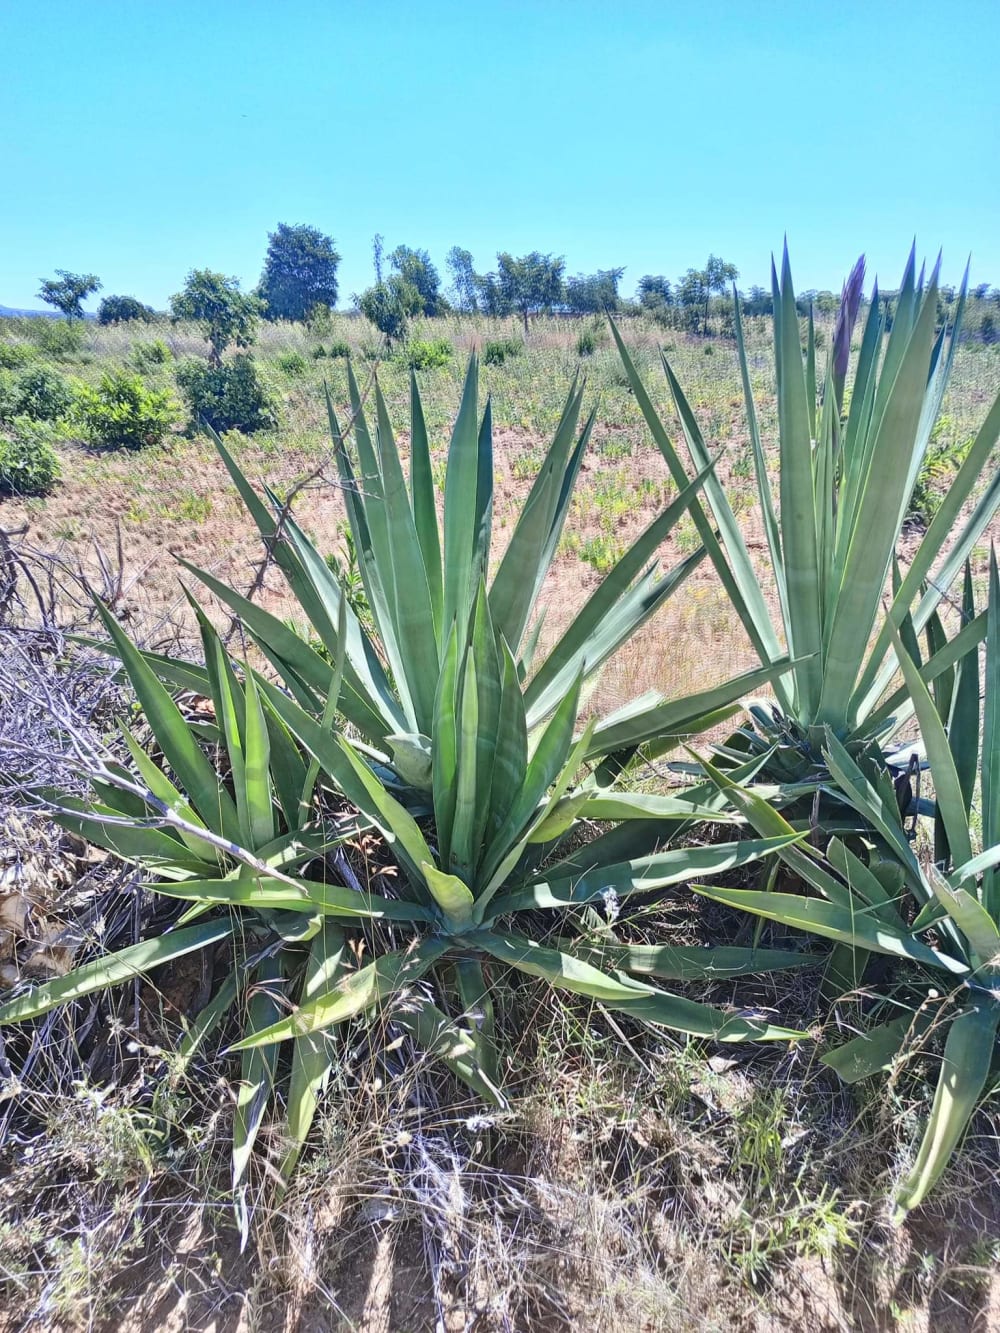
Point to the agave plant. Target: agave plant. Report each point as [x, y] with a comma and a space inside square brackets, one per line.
[847, 465]
[243, 839]
[420, 583]
[481, 777]
[956, 894]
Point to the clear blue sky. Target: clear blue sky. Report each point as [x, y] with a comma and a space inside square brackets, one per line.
[139, 140]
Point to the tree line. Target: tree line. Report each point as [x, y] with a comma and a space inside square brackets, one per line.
[299, 277]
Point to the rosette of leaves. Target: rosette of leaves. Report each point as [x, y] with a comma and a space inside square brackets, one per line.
[888, 903]
[845, 470]
[476, 767]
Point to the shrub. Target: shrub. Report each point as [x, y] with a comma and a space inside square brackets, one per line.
[28, 463]
[319, 352]
[339, 349]
[41, 394]
[123, 310]
[428, 354]
[292, 364]
[586, 343]
[498, 350]
[229, 396]
[15, 355]
[148, 355]
[123, 413]
[61, 339]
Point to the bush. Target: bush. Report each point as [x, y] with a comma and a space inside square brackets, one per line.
[428, 353]
[586, 343]
[122, 413]
[293, 364]
[497, 351]
[227, 397]
[28, 463]
[61, 339]
[148, 355]
[123, 310]
[41, 394]
[15, 355]
[339, 349]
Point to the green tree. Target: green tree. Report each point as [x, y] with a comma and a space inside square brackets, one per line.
[300, 272]
[530, 284]
[464, 279]
[68, 292]
[122, 310]
[654, 292]
[415, 267]
[226, 314]
[588, 294]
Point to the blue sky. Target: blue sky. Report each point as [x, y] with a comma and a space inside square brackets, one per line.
[140, 140]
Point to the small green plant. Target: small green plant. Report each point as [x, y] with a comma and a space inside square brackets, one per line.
[498, 350]
[230, 396]
[292, 364]
[339, 349]
[148, 356]
[28, 463]
[428, 354]
[41, 394]
[586, 343]
[122, 413]
[15, 355]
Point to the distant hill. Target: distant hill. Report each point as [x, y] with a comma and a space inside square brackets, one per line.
[6, 310]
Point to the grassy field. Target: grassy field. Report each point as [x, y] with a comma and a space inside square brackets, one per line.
[640, 1182]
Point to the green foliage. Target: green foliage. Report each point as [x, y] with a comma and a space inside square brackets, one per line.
[339, 349]
[231, 396]
[123, 310]
[654, 293]
[28, 463]
[943, 912]
[844, 494]
[587, 342]
[389, 305]
[593, 293]
[60, 339]
[480, 782]
[123, 413]
[292, 364]
[149, 356]
[226, 314]
[15, 355]
[465, 282]
[498, 350]
[428, 353]
[300, 272]
[415, 269]
[39, 393]
[68, 292]
[529, 285]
